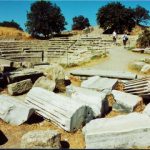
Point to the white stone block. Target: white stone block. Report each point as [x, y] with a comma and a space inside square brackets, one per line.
[124, 101]
[13, 111]
[124, 131]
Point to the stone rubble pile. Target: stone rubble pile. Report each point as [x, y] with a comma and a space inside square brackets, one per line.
[142, 65]
[50, 95]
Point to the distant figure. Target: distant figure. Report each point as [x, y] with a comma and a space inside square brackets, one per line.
[114, 37]
[125, 39]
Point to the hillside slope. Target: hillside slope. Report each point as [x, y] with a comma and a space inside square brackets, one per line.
[13, 34]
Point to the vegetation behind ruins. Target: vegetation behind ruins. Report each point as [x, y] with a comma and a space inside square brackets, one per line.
[144, 39]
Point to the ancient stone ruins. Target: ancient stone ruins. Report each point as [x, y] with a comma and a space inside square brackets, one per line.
[33, 82]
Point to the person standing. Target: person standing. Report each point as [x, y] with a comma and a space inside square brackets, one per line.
[114, 37]
[125, 39]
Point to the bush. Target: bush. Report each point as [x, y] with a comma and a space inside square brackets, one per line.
[143, 40]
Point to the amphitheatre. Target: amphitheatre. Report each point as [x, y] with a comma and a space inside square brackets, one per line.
[76, 91]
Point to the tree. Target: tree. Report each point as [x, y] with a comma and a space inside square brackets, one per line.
[80, 23]
[44, 19]
[114, 16]
[11, 24]
[141, 15]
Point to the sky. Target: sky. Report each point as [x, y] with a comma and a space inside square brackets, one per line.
[17, 9]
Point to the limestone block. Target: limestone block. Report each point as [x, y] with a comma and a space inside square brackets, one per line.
[61, 110]
[146, 68]
[125, 102]
[41, 139]
[45, 83]
[96, 100]
[52, 71]
[99, 83]
[123, 131]
[13, 111]
[19, 87]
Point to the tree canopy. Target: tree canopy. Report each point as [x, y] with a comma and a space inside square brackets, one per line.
[11, 24]
[44, 19]
[80, 23]
[141, 15]
[115, 16]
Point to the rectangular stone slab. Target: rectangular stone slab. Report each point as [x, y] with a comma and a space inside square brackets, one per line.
[124, 131]
[99, 83]
[147, 110]
[19, 87]
[13, 111]
[124, 101]
[104, 73]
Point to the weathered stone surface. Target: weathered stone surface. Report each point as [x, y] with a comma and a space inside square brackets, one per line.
[104, 73]
[138, 65]
[124, 101]
[147, 110]
[19, 87]
[146, 68]
[52, 71]
[96, 100]
[99, 83]
[45, 83]
[13, 111]
[23, 75]
[124, 131]
[61, 110]
[41, 139]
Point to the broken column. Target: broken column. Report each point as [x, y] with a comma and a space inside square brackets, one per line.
[124, 131]
[96, 100]
[19, 87]
[13, 111]
[41, 139]
[61, 110]
[126, 102]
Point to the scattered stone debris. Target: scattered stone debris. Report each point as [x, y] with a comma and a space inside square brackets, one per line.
[96, 100]
[142, 65]
[41, 139]
[99, 83]
[20, 87]
[45, 83]
[125, 102]
[13, 111]
[142, 50]
[61, 110]
[124, 131]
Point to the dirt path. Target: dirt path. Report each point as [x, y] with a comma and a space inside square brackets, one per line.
[119, 59]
